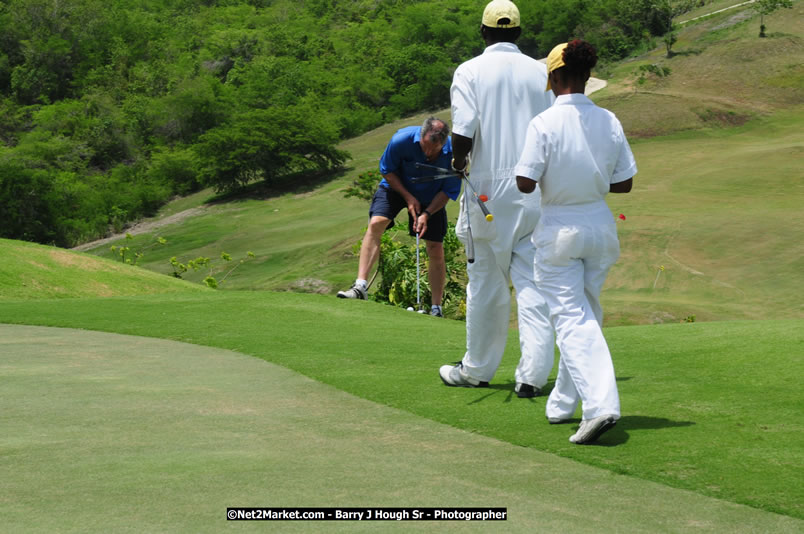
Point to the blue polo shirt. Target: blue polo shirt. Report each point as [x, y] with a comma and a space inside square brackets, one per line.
[402, 154]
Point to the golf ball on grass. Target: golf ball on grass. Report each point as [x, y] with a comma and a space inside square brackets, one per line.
[410, 308]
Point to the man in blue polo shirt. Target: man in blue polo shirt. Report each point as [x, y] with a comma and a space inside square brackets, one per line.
[424, 201]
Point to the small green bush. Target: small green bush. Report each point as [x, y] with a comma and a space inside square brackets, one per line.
[364, 186]
[122, 252]
[657, 70]
[397, 272]
[180, 268]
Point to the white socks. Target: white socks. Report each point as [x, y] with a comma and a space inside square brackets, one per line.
[362, 284]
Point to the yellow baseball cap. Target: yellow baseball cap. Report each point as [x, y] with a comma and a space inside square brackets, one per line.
[501, 14]
[555, 60]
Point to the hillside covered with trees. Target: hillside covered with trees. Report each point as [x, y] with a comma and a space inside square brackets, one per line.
[111, 107]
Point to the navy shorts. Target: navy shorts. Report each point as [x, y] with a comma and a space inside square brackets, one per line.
[388, 203]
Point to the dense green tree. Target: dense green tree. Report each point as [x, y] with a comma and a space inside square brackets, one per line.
[110, 107]
[177, 165]
[25, 203]
[267, 144]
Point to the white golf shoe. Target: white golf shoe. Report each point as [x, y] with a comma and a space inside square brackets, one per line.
[592, 429]
[353, 292]
[453, 375]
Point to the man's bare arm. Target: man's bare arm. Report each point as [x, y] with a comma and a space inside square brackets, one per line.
[461, 146]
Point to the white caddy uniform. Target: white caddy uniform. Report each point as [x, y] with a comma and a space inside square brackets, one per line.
[494, 97]
[575, 150]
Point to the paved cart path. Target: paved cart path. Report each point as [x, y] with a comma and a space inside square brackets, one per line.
[717, 11]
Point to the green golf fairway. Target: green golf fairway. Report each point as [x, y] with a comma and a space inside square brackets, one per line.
[112, 433]
[698, 399]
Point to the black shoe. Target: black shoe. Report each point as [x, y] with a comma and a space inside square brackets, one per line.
[526, 391]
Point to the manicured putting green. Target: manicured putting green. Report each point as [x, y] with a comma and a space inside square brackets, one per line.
[112, 433]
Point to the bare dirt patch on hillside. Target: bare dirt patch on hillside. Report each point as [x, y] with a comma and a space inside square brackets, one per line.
[142, 227]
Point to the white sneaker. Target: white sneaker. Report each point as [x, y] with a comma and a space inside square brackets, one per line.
[353, 292]
[452, 375]
[592, 429]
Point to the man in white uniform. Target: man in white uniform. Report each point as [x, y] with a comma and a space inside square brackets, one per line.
[494, 97]
[577, 153]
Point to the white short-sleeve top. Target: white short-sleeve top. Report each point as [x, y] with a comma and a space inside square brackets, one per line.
[575, 150]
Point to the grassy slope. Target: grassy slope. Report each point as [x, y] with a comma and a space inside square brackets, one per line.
[31, 271]
[723, 220]
[698, 399]
[717, 208]
[302, 237]
[722, 74]
[727, 240]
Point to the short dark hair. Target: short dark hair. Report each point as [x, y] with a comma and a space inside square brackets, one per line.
[500, 35]
[580, 57]
[435, 129]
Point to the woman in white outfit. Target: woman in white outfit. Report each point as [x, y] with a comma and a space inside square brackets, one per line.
[577, 153]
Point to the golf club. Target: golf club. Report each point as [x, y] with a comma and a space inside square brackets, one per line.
[489, 217]
[444, 173]
[470, 244]
[418, 286]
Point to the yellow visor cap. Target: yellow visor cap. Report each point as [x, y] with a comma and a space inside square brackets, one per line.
[555, 60]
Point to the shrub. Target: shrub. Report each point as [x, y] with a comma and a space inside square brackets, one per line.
[180, 268]
[364, 185]
[654, 69]
[397, 272]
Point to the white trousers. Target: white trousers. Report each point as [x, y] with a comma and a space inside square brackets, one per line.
[488, 308]
[573, 257]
